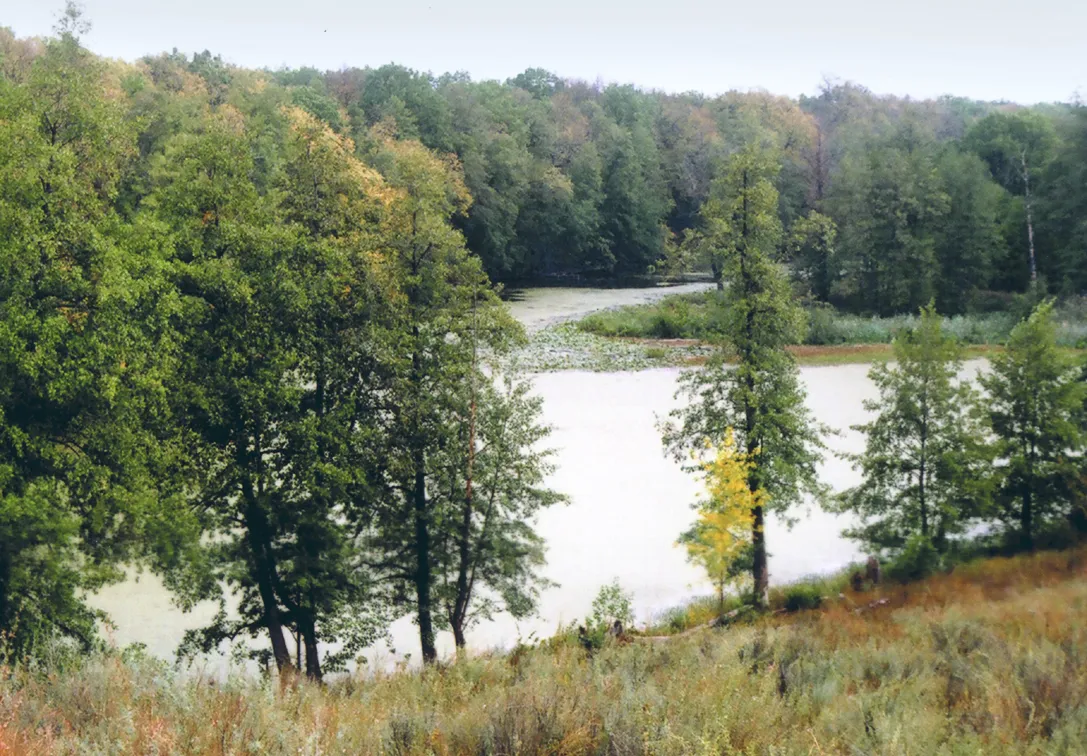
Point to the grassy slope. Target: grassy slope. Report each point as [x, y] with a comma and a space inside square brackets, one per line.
[991, 658]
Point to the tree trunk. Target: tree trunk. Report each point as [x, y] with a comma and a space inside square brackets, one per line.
[921, 495]
[1026, 514]
[760, 571]
[818, 170]
[922, 469]
[1028, 201]
[423, 572]
[464, 591]
[313, 658]
[459, 616]
[256, 531]
[760, 566]
[5, 579]
[259, 539]
[1026, 521]
[463, 597]
[422, 563]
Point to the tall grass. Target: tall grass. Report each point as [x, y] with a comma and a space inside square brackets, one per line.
[699, 316]
[991, 658]
[680, 316]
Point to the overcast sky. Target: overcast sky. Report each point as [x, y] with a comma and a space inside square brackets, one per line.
[1027, 51]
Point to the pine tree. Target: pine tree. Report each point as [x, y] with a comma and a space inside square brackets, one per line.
[924, 457]
[760, 397]
[1035, 404]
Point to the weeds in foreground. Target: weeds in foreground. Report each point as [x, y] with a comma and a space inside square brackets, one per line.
[989, 658]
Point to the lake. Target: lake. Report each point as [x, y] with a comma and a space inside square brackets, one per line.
[628, 502]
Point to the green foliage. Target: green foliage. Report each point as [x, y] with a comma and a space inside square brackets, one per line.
[277, 287]
[461, 472]
[917, 560]
[884, 202]
[812, 254]
[702, 316]
[890, 201]
[491, 557]
[1035, 409]
[1013, 145]
[85, 346]
[924, 464]
[232, 340]
[969, 243]
[319, 105]
[683, 316]
[611, 604]
[802, 596]
[1062, 206]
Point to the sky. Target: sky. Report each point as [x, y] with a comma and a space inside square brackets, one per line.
[1021, 51]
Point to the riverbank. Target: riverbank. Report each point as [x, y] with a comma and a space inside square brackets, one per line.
[568, 346]
[989, 658]
[700, 315]
[679, 328]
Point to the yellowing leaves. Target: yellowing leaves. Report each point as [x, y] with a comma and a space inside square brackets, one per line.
[724, 526]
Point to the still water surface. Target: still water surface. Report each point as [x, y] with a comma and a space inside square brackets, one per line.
[628, 503]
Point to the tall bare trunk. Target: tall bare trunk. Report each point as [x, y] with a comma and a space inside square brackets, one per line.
[1029, 201]
[463, 598]
[421, 513]
[1026, 514]
[313, 658]
[760, 565]
[422, 563]
[1026, 521]
[256, 530]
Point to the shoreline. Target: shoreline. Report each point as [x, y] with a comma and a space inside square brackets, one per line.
[563, 347]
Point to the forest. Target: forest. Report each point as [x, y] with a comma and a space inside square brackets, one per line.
[886, 202]
[252, 340]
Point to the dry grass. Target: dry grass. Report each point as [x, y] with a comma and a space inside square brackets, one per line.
[989, 659]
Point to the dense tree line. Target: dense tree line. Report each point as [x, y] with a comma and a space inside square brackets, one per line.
[947, 198]
[244, 350]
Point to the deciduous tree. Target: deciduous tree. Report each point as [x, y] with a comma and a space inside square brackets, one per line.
[720, 540]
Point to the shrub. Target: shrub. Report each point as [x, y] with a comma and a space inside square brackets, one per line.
[918, 559]
[612, 603]
[822, 326]
[702, 316]
[803, 596]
